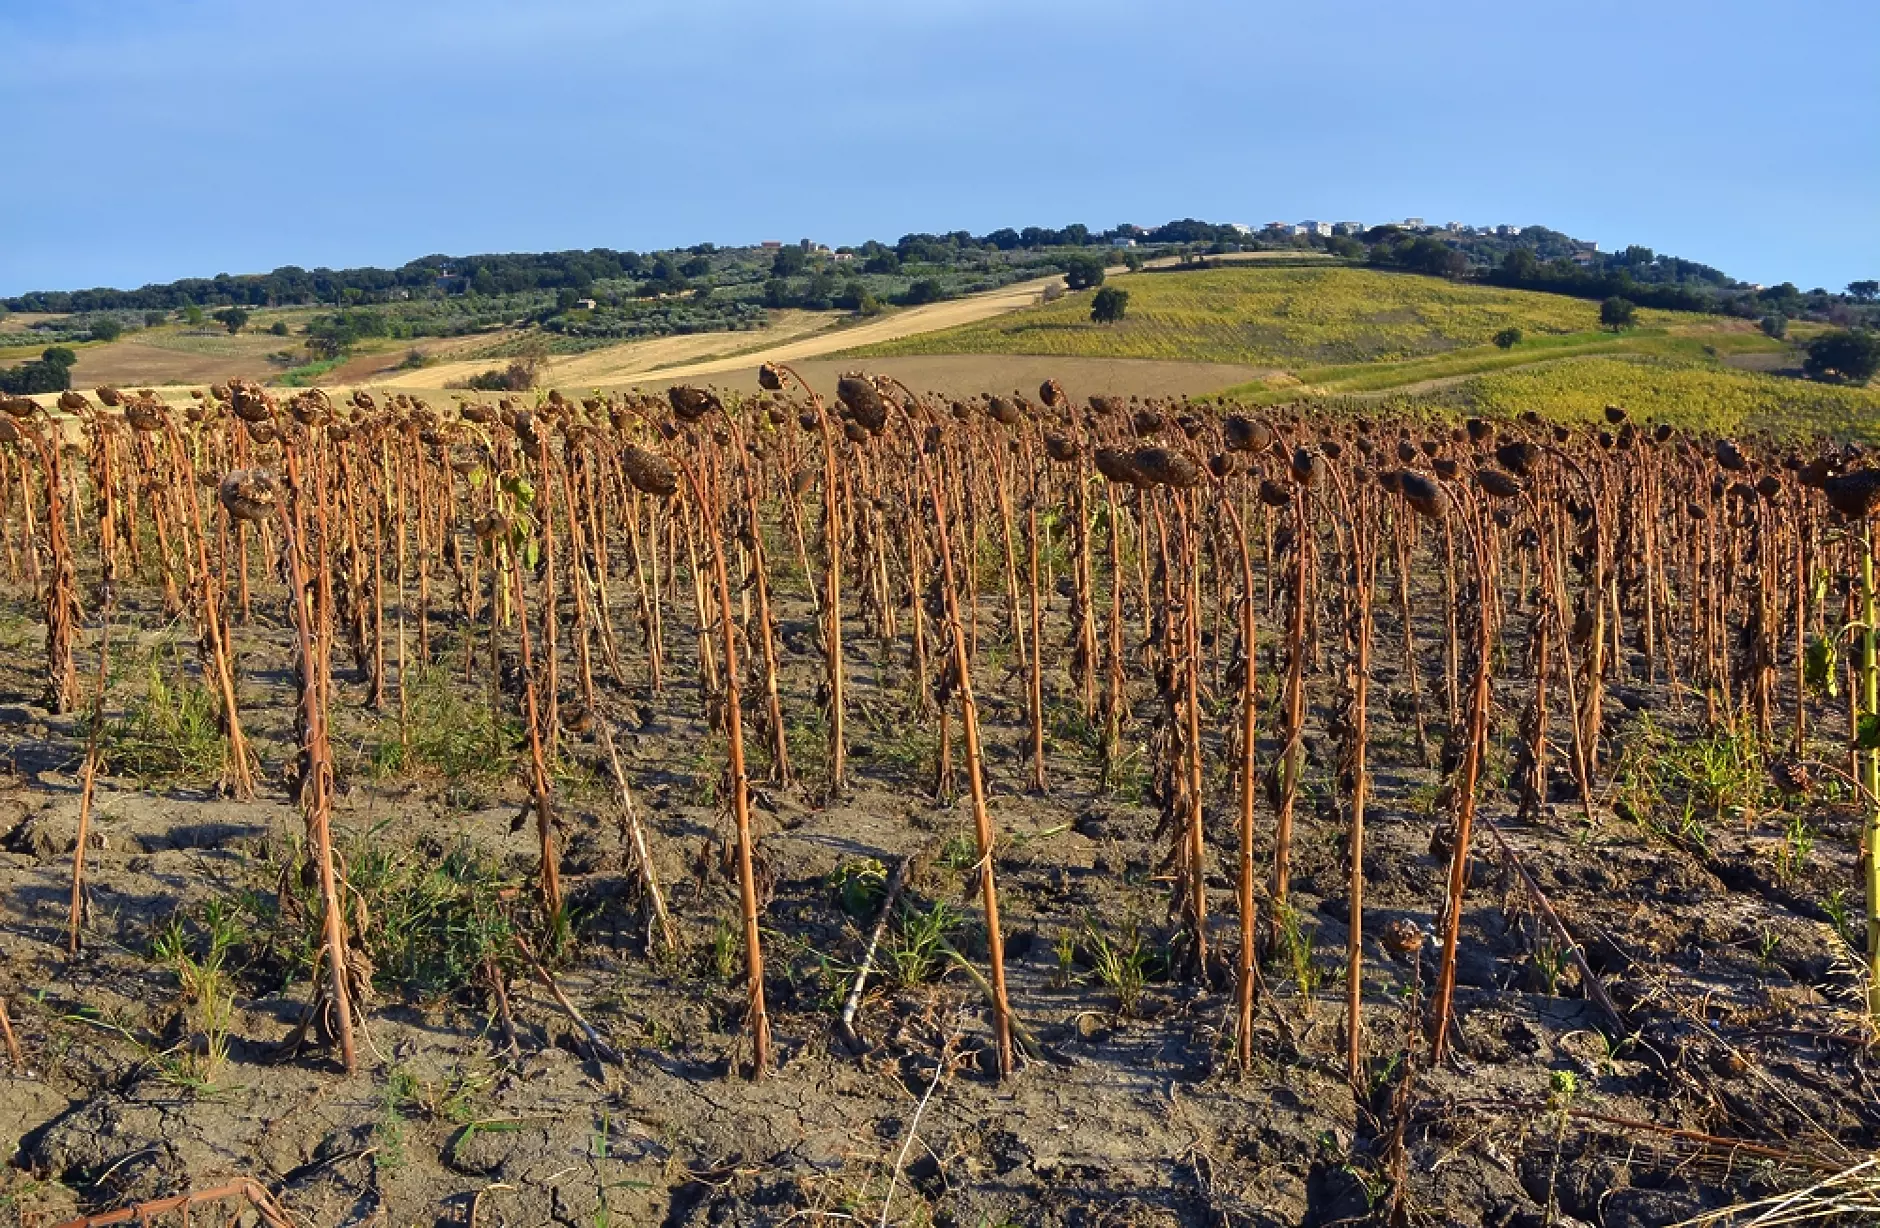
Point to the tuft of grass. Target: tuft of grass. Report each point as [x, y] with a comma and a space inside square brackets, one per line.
[1293, 952]
[721, 950]
[436, 923]
[1121, 965]
[708, 770]
[911, 749]
[447, 734]
[1675, 789]
[917, 948]
[169, 735]
[959, 854]
[401, 1089]
[431, 922]
[1798, 841]
[208, 995]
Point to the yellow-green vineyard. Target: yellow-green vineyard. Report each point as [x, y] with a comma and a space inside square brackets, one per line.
[1260, 315]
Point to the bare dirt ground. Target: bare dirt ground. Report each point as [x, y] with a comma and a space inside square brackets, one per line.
[1727, 968]
[603, 367]
[1778, 363]
[793, 335]
[205, 360]
[381, 366]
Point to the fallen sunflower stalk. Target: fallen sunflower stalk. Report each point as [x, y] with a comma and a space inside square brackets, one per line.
[247, 1190]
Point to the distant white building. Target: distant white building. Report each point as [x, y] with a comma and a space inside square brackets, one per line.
[1297, 228]
[1350, 228]
[1454, 228]
[1507, 232]
[1240, 228]
[1122, 241]
[1413, 223]
[1315, 228]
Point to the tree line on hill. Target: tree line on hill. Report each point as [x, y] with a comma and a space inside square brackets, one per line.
[576, 298]
[802, 274]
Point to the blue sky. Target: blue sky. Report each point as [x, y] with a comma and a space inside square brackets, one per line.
[151, 139]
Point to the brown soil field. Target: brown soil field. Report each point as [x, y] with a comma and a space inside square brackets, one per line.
[602, 367]
[381, 365]
[793, 335]
[160, 1059]
[134, 363]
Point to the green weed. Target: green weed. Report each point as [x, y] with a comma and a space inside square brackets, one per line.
[960, 853]
[171, 734]
[916, 949]
[447, 734]
[1122, 966]
[1293, 951]
[1798, 841]
[208, 997]
[436, 922]
[858, 886]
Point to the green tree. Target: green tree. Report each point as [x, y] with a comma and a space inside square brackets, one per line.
[153, 318]
[232, 318]
[106, 328]
[1083, 272]
[1851, 355]
[1508, 338]
[1423, 254]
[926, 290]
[1617, 313]
[192, 314]
[1775, 325]
[1866, 291]
[1109, 305]
[856, 297]
[51, 372]
[278, 328]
